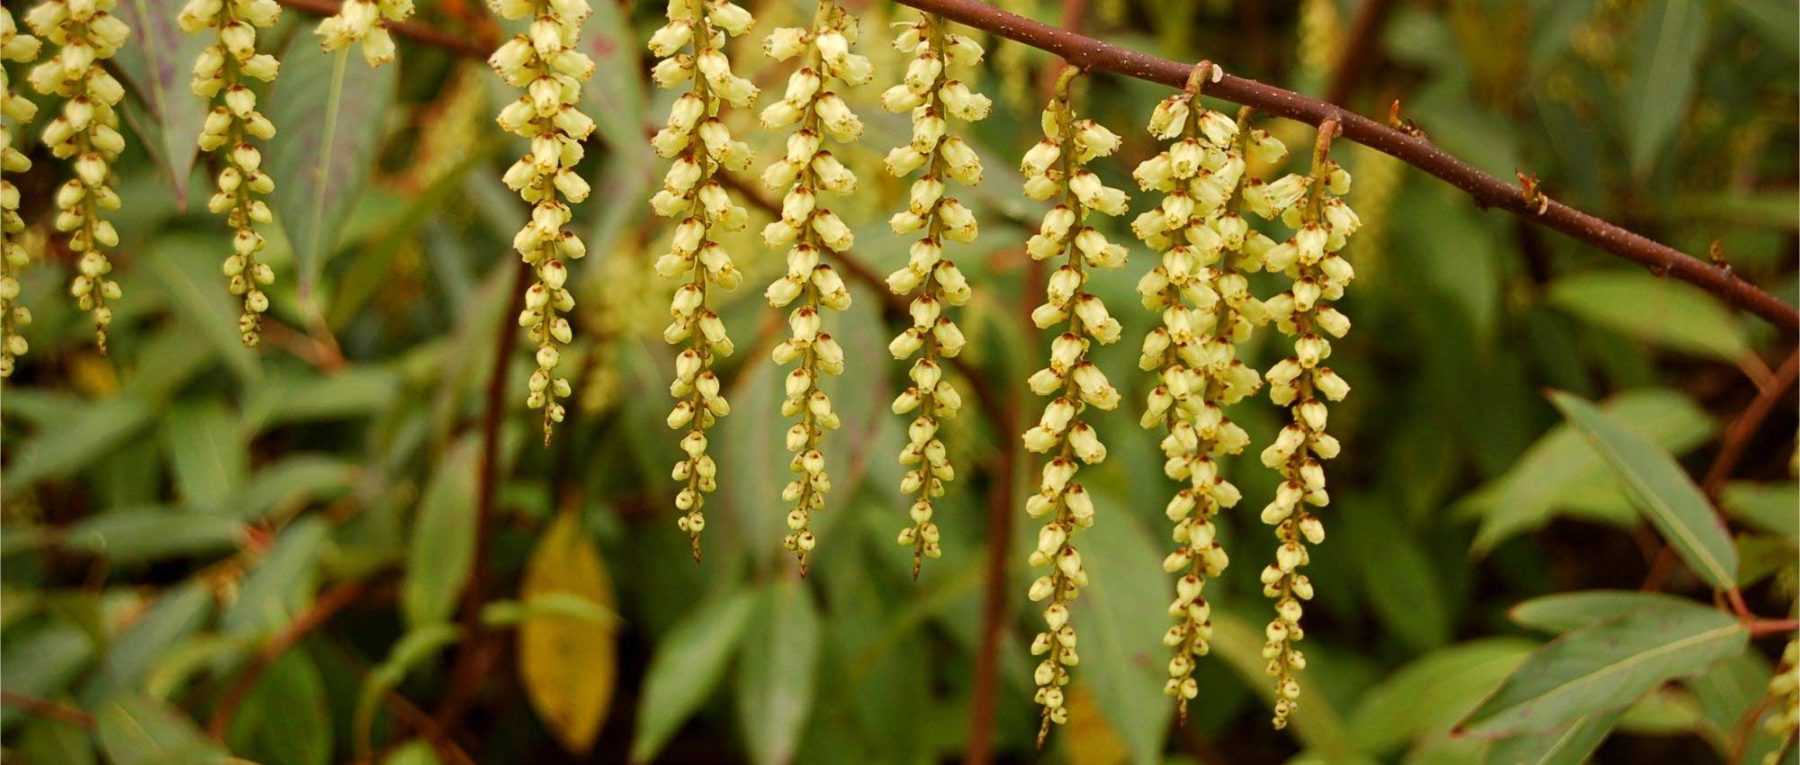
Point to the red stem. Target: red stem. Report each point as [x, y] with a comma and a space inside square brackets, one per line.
[1487, 190]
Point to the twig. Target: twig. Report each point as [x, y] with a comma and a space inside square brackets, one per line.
[993, 606]
[328, 604]
[1746, 727]
[1414, 150]
[466, 669]
[49, 710]
[412, 30]
[1767, 627]
[1737, 437]
[1487, 190]
[1354, 54]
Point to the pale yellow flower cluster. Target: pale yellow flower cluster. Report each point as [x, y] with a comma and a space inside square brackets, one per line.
[1206, 310]
[807, 230]
[933, 98]
[544, 63]
[86, 133]
[15, 111]
[1322, 223]
[1055, 169]
[366, 22]
[692, 48]
[228, 131]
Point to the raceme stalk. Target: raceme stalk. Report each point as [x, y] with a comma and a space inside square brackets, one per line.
[807, 230]
[544, 63]
[15, 112]
[1054, 168]
[227, 132]
[691, 47]
[933, 98]
[1206, 310]
[1322, 223]
[87, 135]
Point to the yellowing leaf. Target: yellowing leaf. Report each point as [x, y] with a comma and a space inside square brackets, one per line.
[1090, 739]
[568, 663]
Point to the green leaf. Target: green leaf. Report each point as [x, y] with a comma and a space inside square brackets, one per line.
[442, 552]
[357, 391]
[1429, 695]
[187, 268]
[1569, 744]
[1574, 610]
[126, 667]
[1661, 311]
[209, 451]
[285, 720]
[86, 435]
[1770, 507]
[1669, 39]
[1726, 693]
[751, 458]
[1120, 617]
[158, 63]
[138, 731]
[1404, 586]
[1562, 464]
[52, 741]
[1314, 723]
[41, 663]
[141, 534]
[417, 646]
[686, 667]
[281, 584]
[330, 108]
[1661, 490]
[1773, 20]
[775, 675]
[292, 481]
[1604, 667]
[617, 89]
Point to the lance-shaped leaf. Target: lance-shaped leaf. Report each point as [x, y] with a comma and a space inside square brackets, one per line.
[139, 731]
[442, 552]
[327, 109]
[158, 61]
[1661, 491]
[568, 661]
[1605, 667]
[687, 665]
[775, 678]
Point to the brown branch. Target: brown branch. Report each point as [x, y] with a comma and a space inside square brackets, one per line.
[411, 30]
[1737, 437]
[994, 600]
[321, 611]
[1487, 190]
[1414, 150]
[1353, 56]
[468, 667]
[1767, 627]
[47, 709]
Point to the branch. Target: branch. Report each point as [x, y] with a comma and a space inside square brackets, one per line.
[469, 667]
[49, 710]
[330, 603]
[1737, 437]
[1487, 190]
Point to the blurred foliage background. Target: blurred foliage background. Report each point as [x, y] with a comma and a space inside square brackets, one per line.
[287, 547]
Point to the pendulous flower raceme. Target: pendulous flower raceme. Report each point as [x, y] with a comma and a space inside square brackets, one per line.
[807, 230]
[544, 63]
[1054, 168]
[228, 131]
[1322, 223]
[365, 21]
[86, 134]
[1206, 310]
[15, 111]
[692, 48]
[934, 98]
